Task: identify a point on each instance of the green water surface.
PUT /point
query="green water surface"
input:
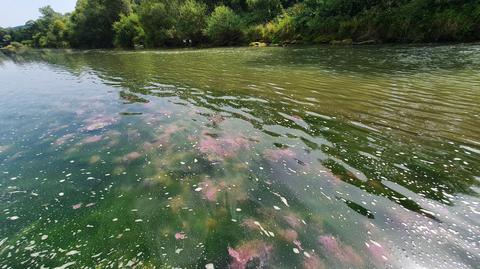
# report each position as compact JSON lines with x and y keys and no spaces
{"x":364,"y":157}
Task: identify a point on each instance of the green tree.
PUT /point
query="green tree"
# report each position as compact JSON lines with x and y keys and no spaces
{"x":5,"y":39}
{"x":128,"y":31}
{"x":47,"y":31}
{"x":92,"y":22}
{"x":158,"y":19}
{"x":224,"y":27}
{"x":57,"y":33}
{"x":264,"y":10}
{"x":163,"y":23}
{"x":191,"y":20}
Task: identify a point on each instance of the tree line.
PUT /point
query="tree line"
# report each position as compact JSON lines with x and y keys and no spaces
{"x":177,"y":23}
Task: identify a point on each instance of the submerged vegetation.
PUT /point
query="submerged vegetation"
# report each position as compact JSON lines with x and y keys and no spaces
{"x":308,"y":158}
{"x":177,"y":23}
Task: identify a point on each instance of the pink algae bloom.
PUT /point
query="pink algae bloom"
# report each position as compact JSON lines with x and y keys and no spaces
{"x":132,"y":156}
{"x":250,"y":224}
{"x":171,"y":129}
{"x":180,"y":236}
{"x":292,"y":220}
{"x":164,"y":138}
{"x":98,"y":123}
{"x":279,"y":154}
{"x":253,"y":252}
{"x":209,"y":190}
{"x":345,"y":254}
{"x":298,"y":244}
{"x":92,"y":139}
{"x":289,"y":235}
{"x":191,"y":138}
{"x":221,"y":148}
{"x":62,"y":140}
{"x":216,"y":119}
{"x":313,"y":262}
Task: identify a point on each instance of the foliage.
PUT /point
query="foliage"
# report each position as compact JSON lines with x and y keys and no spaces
{"x":5,"y":38}
{"x":191,"y":20}
{"x":128,"y":31}
{"x":224,"y":27}
{"x":264,"y":10}
{"x":164,"y":23}
{"x":392,"y":21}
{"x":50,"y":30}
{"x":158,"y":19}
{"x":282,"y":29}
{"x":92,"y":22}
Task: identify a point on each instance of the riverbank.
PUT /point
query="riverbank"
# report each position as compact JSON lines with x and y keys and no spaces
{"x":181,"y":23}
{"x":18,"y":49}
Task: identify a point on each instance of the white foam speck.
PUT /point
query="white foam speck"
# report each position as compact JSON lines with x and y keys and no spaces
{"x":72,"y":252}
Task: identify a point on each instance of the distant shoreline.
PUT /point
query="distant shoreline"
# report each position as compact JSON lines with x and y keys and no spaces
{"x":439,"y":44}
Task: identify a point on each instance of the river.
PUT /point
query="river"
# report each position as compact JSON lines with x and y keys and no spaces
{"x":303,"y":157}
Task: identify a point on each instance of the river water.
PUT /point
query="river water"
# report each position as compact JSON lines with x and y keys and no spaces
{"x":316,"y":157}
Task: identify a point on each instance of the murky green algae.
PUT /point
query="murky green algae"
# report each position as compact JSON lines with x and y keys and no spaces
{"x":241,"y":158}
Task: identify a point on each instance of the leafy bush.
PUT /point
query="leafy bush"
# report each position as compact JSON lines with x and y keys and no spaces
{"x":163,"y":23}
{"x":128,"y":31}
{"x":5,"y":39}
{"x":16,"y":45}
{"x":264,"y":10}
{"x":158,"y":19}
{"x":281,"y":29}
{"x":92,"y":20}
{"x":284,"y":28}
{"x":191,"y":20}
{"x":224,"y":27}
{"x":255,"y":33}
